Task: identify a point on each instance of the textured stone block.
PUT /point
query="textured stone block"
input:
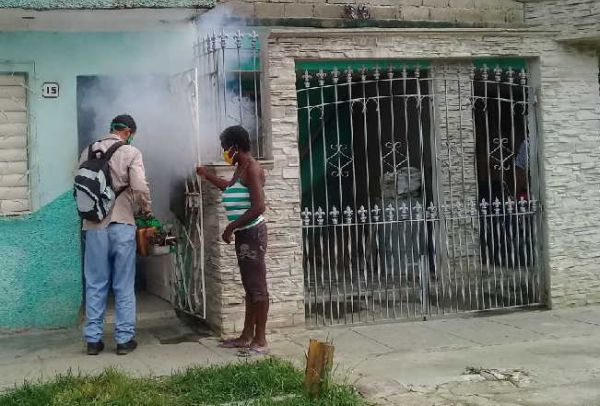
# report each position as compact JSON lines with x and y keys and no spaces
{"x":297,"y":10}
{"x":269,"y":10}
{"x":328,"y":11}
{"x":241,"y":8}
{"x":385,"y":13}
{"x":436,"y":3}
{"x":14,"y":206}
{"x":444,"y":14}
{"x":462,"y":3}
{"x":415,"y":13}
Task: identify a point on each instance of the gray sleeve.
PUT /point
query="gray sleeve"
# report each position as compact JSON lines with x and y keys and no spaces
{"x":138,"y":183}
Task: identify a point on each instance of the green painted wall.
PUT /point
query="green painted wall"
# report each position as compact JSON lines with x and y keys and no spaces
{"x":40,"y":270}
{"x":61,"y":57}
{"x":40,"y":253}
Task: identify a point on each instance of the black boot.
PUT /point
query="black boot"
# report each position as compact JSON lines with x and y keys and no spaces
{"x":124,"y":349}
{"x":95,"y":348}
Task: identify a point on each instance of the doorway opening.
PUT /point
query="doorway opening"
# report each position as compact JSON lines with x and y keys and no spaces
{"x":167,"y":139}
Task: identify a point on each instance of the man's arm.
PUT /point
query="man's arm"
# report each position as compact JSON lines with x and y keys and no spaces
{"x":139,"y":184}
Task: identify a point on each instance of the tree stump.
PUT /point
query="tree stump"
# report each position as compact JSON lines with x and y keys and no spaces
{"x":319,"y":363}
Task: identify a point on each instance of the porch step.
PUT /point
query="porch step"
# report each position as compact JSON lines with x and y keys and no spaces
{"x":149,"y":308}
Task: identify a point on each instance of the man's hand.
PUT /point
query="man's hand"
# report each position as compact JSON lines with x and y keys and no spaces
{"x":201,"y":171}
{"x":228,"y":234}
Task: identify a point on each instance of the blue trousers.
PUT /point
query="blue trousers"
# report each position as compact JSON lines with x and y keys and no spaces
{"x":110,"y":262}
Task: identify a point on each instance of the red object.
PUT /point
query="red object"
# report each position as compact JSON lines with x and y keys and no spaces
{"x":143,"y":240}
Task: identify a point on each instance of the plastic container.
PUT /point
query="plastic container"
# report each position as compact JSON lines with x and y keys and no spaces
{"x":159,"y":249}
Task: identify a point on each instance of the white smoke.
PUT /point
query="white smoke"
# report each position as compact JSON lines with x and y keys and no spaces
{"x":221,"y":78}
{"x":165,"y":132}
{"x":176,"y":130}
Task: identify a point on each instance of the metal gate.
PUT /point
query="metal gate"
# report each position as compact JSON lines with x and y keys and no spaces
{"x":230,"y":71}
{"x":419,"y":190}
{"x":188,"y":283}
{"x":223,"y":89}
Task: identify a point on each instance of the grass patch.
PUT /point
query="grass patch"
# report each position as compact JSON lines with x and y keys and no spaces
{"x":266,"y":382}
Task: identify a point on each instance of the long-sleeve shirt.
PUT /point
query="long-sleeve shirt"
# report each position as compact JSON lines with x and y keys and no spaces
{"x":128,"y":174}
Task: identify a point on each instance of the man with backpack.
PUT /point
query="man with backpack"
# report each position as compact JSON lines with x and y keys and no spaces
{"x":110,"y":182}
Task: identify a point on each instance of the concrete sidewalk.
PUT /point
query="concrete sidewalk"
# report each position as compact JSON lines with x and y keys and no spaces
{"x":523,"y":358}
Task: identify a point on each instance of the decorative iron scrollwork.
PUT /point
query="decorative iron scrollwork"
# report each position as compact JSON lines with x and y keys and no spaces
{"x":357,"y":12}
{"x":339,"y":161}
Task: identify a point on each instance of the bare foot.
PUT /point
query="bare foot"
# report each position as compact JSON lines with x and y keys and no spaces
{"x":259,"y":343}
{"x":254,"y":350}
{"x":239,"y":342}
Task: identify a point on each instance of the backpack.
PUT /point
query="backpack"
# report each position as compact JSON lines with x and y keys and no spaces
{"x":93,"y":189}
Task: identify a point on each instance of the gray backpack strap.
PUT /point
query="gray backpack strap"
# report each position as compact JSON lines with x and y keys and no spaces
{"x":113,"y":148}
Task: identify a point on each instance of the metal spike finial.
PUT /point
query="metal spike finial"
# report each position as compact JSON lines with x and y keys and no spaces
{"x":497,"y":205}
{"x":208,"y":44}
{"x":306,"y":216}
{"x":307,"y":77}
{"x":335,"y":75}
{"x":390,"y":212}
{"x":472,"y":72}
{"x":377,"y":73}
{"x":511,"y":75}
{"x":238,"y":37}
{"x":321,"y":75}
{"x":213,"y":40}
{"x":510,"y":205}
{"x":523,"y":77}
{"x":224,"y":38}
{"x":375,"y":211}
{"x":363,"y":73}
{"x":254,"y":39}
{"x":418,"y":209}
{"x":533,"y":205}
{"x":484,"y":206}
{"x":334,"y":213}
{"x":348,"y":214}
{"x":417,"y":71}
{"x":472,"y":208}
{"x":362,"y":214}
{"x":498,"y":73}
{"x":485,"y":72}
{"x":320,"y":214}
{"x":349,"y":73}
{"x":404,"y":211}
{"x":431,"y":211}
{"x":522,"y":205}
{"x":404,"y":71}
{"x":390,"y":72}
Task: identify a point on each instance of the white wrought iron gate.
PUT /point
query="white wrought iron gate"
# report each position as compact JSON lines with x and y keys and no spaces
{"x":223,"y":89}
{"x":419,"y":191}
{"x":188,"y":283}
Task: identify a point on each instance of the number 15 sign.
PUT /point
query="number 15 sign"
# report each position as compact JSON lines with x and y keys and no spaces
{"x":50,"y":90}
